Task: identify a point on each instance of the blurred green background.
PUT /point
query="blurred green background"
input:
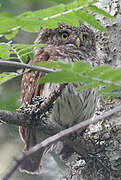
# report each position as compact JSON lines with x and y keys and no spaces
{"x":10,"y":143}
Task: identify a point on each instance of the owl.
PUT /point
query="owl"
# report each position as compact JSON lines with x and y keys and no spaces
{"x":68,"y":44}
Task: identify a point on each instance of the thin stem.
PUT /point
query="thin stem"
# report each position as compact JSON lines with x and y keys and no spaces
{"x":23,"y":65}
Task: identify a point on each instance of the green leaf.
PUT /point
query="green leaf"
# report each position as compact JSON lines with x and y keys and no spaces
{"x":64,"y":76}
{"x":60,"y":77}
{"x":76,"y":4}
{"x":47,"y":64}
{"x":70,"y":19}
{"x":112,"y":74}
{"x":98,"y":71}
{"x":89,"y":86}
{"x":57,"y":65}
{"x":50,"y":23}
{"x":7,"y":23}
{"x":11,"y":34}
{"x":23,"y":51}
{"x":5,"y":51}
{"x":41,"y":14}
{"x":81,"y":67}
{"x":112,"y":95}
{"x":29,"y":25}
{"x":99,"y":11}
{"x":92,"y":2}
{"x":72,"y":5}
{"x":86,"y":17}
{"x":44,"y":13}
{"x":108,"y":89}
{"x":83,"y":2}
{"x":115,"y":75}
{"x":6,"y":76}
{"x":65,"y":66}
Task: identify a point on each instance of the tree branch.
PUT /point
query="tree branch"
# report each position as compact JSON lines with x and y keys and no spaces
{"x":56,"y":137}
{"x":24,"y":66}
{"x":22,"y":118}
{"x":14,"y":118}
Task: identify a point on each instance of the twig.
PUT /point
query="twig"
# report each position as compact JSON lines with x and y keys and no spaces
{"x":52,"y":98}
{"x":56,"y":137}
{"x":22,"y":65}
{"x":63,"y":13}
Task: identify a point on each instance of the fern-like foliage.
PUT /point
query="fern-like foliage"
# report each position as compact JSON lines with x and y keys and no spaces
{"x":92,"y":77}
{"x":6,"y":76}
{"x":17,"y":51}
{"x":70,"y":13}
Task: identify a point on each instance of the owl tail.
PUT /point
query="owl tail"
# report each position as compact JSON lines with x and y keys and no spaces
{"x":31,"y":164}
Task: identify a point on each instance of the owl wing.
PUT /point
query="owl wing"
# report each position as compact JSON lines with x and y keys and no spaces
{"x":30,"y":89}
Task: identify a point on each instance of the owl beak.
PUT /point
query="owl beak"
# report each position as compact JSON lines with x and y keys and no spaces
{"x":78,"y":42}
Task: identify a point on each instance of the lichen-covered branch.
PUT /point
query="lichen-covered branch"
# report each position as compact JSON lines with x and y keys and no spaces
{"x":22,"y":118}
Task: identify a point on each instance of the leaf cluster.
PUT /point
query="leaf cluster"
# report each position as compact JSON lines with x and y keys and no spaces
{"x":90,"y":77}
{"x":19,"y":52}
{"x":105,"y":79}
{"x":70,"y":13}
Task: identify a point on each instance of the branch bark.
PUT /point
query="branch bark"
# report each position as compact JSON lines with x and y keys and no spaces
{"x":14,"y":118}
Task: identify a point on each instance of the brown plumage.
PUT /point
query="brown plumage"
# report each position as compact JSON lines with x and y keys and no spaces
{"x":68,"y":44}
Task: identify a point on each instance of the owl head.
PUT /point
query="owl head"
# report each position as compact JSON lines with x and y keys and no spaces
{"x":65,"y":35}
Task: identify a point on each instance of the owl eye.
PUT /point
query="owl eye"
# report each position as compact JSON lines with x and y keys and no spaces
{"x":64,"y":35}
{"x":84,"y":37}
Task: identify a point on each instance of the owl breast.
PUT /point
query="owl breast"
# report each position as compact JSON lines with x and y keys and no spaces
{"x":72,"y":106}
